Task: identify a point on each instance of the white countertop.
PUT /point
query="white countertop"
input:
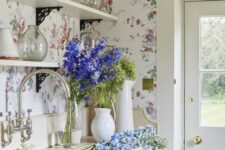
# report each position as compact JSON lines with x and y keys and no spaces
{"x":86,"y":143}
{"x":80,"y":147}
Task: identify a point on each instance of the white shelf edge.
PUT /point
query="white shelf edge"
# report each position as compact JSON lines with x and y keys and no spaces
{"x":88,"y":9}
{"x":18,"y":63}
{"x":71,"y":8}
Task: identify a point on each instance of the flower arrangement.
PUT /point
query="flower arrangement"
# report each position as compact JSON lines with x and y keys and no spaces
{"x":96,"y":68}
{"x":144,"y":137}
{"x":89,"y":67}
{"x":85,"y":70}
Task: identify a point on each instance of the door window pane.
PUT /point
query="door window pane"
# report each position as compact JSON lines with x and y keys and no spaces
{"x":212,"y":43}
{"x":212,"y":97}
{"x":212,"y":71}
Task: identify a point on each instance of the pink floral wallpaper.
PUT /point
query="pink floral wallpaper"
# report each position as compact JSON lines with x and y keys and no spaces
{"x":135,"y":31}
{"x":58,"y":29}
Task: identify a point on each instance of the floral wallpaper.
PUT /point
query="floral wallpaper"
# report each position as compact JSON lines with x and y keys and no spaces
{"x":58,"y":29}
{"x":135,"y":31}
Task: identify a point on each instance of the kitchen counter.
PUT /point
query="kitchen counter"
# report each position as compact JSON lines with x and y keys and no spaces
{"x":85,"y":143}
{"x":80,"y":147}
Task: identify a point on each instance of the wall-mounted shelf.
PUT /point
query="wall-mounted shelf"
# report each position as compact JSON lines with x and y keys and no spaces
{"x":71,"y":8}
{"x":19,"y":63}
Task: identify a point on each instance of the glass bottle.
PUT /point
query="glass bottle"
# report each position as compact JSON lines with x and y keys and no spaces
{"x":95,"y":4}
{"x":89,"y":37}
{"x":33,"y":46}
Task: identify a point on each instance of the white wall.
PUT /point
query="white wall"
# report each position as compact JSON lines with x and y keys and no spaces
{"x":169,"y":67}
{"x":165,"y":70}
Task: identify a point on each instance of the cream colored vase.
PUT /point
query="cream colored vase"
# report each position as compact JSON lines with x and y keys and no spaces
{"x":124,"y":108}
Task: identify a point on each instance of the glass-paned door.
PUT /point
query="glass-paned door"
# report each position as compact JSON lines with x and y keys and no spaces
{"x":205,"y":75}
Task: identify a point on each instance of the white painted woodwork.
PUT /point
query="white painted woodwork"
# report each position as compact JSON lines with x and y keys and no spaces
{"x":213,"y":137}
{"x":71,"y":8}
{"x":19,"y":63}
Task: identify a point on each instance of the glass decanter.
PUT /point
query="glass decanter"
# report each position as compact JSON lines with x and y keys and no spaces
{"x":33,"y":45}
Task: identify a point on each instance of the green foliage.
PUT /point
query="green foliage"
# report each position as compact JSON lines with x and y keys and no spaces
{"x":76,"y":94}
{"x":106,"y":92}
{"x":157,"y":142}
{"x":129,"y":67}
{"x":213,"y":86}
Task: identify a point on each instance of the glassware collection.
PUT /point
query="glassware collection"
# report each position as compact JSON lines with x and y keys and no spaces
{"x":103,"y":5}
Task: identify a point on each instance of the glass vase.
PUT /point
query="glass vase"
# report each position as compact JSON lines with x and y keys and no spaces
{"x":89,"y":37}
{"x":77,"y":123}
{"x":95,"y":4}
{"x":33,"y":46}
{"x":67,"y":135}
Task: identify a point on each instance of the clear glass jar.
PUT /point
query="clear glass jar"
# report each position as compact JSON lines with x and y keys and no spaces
{"x":95,"y":4}
{"x":89,"y":37}
{"x":33,"y":46}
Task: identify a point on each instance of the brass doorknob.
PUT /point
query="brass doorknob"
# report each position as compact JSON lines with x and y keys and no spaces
{"x":197,"y":140}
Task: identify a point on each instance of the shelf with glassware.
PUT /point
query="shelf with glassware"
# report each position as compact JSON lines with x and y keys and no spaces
{"x":9,"y":54}
{"x":72,"y":8}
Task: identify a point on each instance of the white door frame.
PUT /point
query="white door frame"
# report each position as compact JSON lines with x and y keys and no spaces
{"x":170,"y":26}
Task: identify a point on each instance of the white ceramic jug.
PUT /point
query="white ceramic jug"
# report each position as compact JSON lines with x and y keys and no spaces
{"x":102,"y":126}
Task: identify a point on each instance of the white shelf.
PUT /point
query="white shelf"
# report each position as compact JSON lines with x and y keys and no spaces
{"x":19,"y":63}
{"x":71,"y":8}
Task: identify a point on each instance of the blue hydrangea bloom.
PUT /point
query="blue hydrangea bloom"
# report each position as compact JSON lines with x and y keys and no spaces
{"x":128,"y":140}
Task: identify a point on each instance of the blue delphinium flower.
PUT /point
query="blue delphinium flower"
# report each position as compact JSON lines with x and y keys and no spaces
{"x":91,"y":66}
